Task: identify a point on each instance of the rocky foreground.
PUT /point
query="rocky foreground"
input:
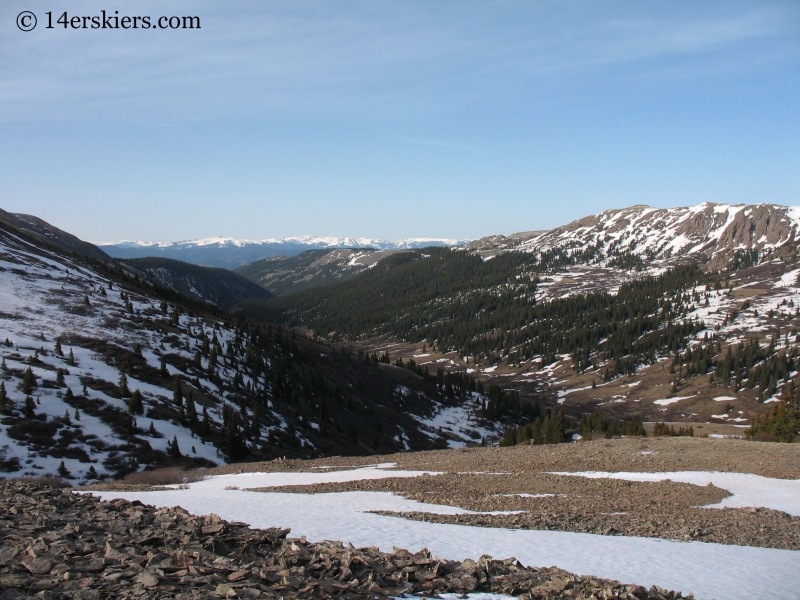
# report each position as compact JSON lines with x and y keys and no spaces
{"x":59,"y":544}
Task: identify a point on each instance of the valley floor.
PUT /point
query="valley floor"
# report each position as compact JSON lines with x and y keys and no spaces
{"x":718,"y":518}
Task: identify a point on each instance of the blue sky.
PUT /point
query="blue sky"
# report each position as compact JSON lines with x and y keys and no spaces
{"x":395,"y":119}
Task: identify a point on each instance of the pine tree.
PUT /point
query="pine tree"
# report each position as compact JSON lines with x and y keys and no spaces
{"x":63,"y":471}
{"x":29,"y":409}
{"x":71,"y":359}
{"x":57,"y":349}
{"x":6,"y":405}
{"x":181,"y":414}
{"x":152,"y":431}
{"x":124,"y":391}
{"x":91,"y":473}
{"x":136,"y":404}
{"x":177,"y":393}
{"x":206,"y":426}
{"x":191,"y":410}
{"x":509,"y":437}
{"x":164,"y":372}
{"x":77,"y":415}
{"x":173,"y":449}
{"x":28,"y":382}
{"x":60,"y":378}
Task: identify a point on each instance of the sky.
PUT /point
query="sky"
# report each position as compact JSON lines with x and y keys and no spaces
{"x":394,"y":119}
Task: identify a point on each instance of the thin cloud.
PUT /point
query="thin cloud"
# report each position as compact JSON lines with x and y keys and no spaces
{"x":316,"y":60}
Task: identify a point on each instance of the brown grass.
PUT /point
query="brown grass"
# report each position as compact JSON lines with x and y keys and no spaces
{"x":164,"y":476}
{"x":748,"y":292}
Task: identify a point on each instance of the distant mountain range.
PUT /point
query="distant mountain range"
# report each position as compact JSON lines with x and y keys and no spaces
{"x":230,"y":253}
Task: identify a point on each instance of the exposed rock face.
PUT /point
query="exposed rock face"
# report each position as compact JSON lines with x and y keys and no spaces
{"x":58,"y":544}
{"x":708,"y":232}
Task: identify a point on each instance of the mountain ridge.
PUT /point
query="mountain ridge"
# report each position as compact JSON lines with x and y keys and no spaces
{"x":231,"y":253}
{"x":708,"y":231}
{"x":220,"y":287}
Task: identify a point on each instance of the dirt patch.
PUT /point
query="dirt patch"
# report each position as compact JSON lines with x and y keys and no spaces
{"x":641,"y":455}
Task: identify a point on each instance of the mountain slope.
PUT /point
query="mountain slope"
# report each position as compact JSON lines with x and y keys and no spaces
{"x":638,"y":313}
{"x":215,"y":286}
{"x":313,"y":268}
{"x":108,"y":373}
{"x":45,"y":233}
{"x":230,"y":253}
{"x":708,"y":232}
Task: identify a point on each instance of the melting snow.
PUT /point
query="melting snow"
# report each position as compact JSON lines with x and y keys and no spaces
{"x":347,"y":517}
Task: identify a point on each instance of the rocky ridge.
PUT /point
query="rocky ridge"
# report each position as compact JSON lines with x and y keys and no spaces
{"x":59,"y":544}
{"x":707,"y":232}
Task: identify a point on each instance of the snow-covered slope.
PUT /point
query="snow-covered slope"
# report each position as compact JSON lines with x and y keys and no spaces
{"x":46,"y":297}
{"x":651,"y":236}
{"x":78,"y":338}
{"x":230,"y":252}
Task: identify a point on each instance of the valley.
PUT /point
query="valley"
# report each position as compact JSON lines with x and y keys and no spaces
{"x":604,"y":397}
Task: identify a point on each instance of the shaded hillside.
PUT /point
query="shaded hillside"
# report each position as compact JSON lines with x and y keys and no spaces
{"x":487,"y":310}
{"x":219,"y":287}
{"x":46,"y":234}
{"x":313,"y":268}
{"x":109,"y":374}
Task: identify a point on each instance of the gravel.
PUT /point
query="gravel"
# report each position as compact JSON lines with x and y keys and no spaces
{"x":60,"y":544}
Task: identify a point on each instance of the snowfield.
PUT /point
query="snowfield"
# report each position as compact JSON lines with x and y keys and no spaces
{"x":707,"y":570}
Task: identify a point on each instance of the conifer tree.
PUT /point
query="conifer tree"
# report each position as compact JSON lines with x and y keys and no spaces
{"x":206,"y":426}
{"x":177,"y":392}
{"x":6,"y":404}
{"x":91,"y":473}
{"x":124,"y":391}
{"x":60,"y":378}
{"x":29,"y":409}
{"x":173,"y":449}
{"x":57,"y":349}
{"x":63,"y":471}
{"x":28,"y":382}
{"x":71,"y":358}
{"x":136,"y":403}
{"x":191,"y":409}
{"x":181,"y":414}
